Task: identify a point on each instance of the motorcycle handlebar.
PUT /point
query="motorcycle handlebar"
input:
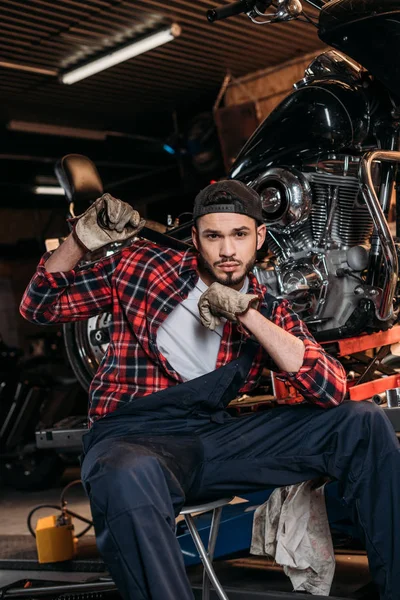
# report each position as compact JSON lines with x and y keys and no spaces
{"x":245,"y":6}
{"x":230,"y":10}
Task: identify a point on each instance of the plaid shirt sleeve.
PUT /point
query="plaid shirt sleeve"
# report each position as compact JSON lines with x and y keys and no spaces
{"x":68,"y":296}
{"x":321,"y":379}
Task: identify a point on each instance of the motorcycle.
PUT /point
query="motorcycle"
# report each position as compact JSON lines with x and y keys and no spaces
{"x":325,"y":163}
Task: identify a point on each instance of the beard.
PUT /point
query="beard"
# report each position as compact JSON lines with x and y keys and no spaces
{"x":228,"y":279}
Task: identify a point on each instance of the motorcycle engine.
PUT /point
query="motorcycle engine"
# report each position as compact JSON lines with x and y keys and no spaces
{"x":318,"y":231}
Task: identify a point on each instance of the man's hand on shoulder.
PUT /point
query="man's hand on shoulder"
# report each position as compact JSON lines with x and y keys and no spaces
{"x":222,"y":301}
{"x":107,"y":220}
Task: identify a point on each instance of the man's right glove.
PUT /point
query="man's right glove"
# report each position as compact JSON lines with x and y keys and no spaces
{"x":107,"y":220}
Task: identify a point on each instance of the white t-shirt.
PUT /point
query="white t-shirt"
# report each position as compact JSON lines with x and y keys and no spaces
{"x":190,"y":348}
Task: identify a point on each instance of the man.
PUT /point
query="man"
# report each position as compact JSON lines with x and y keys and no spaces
{"x":190,"y":331}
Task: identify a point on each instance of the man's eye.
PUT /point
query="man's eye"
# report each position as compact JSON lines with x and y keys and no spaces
{"x":212,"y":236}
{"x":241,"y":234}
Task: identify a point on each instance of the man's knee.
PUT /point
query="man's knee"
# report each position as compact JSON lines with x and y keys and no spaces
{"x":122,"y":473}
{"x":358,"y":410}
{"x":365,"y":416}
{"x":363,"y":432}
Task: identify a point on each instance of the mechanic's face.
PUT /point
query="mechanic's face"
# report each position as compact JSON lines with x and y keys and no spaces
{"x":227,"y":243}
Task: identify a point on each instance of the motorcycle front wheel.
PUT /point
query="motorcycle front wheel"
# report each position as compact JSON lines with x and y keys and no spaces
{"x":86,"y":343}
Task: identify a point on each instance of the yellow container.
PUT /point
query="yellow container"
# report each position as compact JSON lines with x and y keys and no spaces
{"x":55,"y":539}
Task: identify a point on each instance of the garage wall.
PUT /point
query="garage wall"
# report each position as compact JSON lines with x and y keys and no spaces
{"x":250,"y":99}
{"x":22,"y":234}
{"x":8,"y":316}
{"x":268,"y":86}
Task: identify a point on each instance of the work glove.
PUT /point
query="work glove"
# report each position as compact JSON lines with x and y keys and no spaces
{"x":107,"y":220}
{"x":223,"y":301}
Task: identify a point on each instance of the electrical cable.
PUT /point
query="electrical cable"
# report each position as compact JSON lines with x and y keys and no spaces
{"x":309,"y":19}
{"x":63,"y":509}
{"x":184,"y":214}
{"x":342,"y":272}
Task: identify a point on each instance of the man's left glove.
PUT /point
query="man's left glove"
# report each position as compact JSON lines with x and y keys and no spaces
{"x":222,"y":301}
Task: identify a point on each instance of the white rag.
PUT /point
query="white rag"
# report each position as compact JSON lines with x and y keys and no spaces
{"x":292,"y":527}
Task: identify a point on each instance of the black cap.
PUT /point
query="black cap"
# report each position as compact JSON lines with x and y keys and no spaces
{"x":229,"y":196}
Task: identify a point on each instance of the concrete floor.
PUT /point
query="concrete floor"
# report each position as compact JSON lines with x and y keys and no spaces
{"x":15,"y":505}
{"x":14,"y":509}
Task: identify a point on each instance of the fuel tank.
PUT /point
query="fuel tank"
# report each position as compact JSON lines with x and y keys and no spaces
{"x":324,"y":114}
{"x":369,"y":32}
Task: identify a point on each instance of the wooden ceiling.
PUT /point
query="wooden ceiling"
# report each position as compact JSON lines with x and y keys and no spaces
{"x":51,"y":36}
{"x":41,"y":38}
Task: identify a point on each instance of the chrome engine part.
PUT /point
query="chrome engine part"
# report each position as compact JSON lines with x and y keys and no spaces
{"x":318,"y":229}
{"x":286,"y":198}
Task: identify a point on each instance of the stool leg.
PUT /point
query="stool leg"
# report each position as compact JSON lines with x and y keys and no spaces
{"x":212,"y":540}
{"x":204,"y":557}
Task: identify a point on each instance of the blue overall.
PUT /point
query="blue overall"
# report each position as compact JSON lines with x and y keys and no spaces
{"x":146,"y":459}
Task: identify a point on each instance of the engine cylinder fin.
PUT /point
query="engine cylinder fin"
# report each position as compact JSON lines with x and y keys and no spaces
{"x":289,"y":242}
{"x":352,"y":223}
{"x":273,"y":246}
{"x":304,"y":237}
{"x":309,"y":256}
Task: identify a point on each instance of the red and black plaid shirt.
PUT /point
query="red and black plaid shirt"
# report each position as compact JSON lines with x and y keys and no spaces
{"x":140,"y":286}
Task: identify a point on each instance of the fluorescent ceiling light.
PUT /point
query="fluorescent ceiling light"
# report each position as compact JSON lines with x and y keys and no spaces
{"x":48,"y":190}
{"x":121,"y":54}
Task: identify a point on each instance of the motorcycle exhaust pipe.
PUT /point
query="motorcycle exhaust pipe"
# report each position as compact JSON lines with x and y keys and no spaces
{"x":385,"y":310}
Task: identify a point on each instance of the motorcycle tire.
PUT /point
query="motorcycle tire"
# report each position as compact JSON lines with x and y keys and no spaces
{"x":31,"y":472}
{"x":86,"y":343}
{"x":74,"y":353}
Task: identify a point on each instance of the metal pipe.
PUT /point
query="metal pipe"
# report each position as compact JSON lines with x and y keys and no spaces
{"x":318,"y":4}
{"x":7,"y":64}
{"x":385,"y":193}
{"x":332,"y":209}
{"x":212,"y":540}
{"x":384,"y":312}
{"x":204,"y":557}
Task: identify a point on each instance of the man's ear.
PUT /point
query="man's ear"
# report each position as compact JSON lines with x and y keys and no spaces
{"x":195,"y":237}
{"x":261,"y":233}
